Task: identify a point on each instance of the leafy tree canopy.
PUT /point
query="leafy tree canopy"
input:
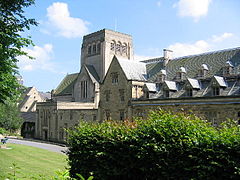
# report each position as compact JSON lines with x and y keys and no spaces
{"x":12,"y":24}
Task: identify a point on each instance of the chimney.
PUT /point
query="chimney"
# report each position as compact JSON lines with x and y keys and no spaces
{"x":167,"y":54}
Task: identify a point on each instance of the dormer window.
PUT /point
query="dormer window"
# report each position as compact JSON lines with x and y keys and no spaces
{"x":166,"y":93}
{"x":228,"y":68}
{"x":216,"y":91}
{"x":203,"y":70}
{"x":169,"y":87}
{"x":189,"y":92}
{"x":191,"y":86}
{"x":161,"y":76}
{"x":218,"y":83}
{"x":181,"y":74}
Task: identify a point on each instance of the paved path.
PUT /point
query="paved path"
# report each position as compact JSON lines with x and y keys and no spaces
{"x":50,"y":147}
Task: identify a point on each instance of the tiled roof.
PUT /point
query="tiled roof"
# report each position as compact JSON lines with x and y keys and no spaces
{"x":133,"y":70}
{"x":215,"y":61}
{"x":66,"y":86}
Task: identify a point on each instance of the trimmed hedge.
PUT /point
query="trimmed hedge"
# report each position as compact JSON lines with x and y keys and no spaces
{"x":166,"y":146}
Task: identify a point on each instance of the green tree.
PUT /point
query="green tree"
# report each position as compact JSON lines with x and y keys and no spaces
{"x":12,"y":25}
{"x":10,"y":116}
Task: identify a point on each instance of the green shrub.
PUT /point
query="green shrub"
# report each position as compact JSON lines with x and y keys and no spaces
{"x":166,"y":146}
{"x":3,"y":131}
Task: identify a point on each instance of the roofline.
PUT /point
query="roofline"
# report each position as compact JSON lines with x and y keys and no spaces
{"x":104,"y":31}
{"x":160,"y":59}
{"x":206,"y":53}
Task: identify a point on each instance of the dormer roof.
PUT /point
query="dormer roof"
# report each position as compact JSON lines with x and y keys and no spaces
{"x":220,"y":80}
{"x":151,"y":87}
{"x":171,"y":85}
{"x":194,"y":83}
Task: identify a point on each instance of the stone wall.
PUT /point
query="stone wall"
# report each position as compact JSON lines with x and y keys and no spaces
{"x":55,"y":117}
{"x":213,"y":109}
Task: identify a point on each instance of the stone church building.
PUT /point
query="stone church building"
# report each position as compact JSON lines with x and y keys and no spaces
{"x":111,"y":85}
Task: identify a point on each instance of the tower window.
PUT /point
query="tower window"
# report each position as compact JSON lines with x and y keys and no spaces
{"x":94,"y":49}
{"x":124,"y":49}
{"x":89,"y":50}
{"x":98,"y":48}
{"x":113,"y":44}
{"x":118,"y":48}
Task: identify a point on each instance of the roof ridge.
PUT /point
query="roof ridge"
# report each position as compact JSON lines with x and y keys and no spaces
{"x":206,"y":53}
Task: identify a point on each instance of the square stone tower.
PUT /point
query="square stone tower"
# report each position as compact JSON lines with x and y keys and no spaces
{"x":99,"y":48}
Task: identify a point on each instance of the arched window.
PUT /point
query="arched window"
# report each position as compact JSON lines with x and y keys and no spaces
{"x":118,"y":48}
{"x":98,"y":47}
{"x":89,"y":50}
{"x":94,"y":49}
{"x":124,"y":49}
{"x":113,"y":46}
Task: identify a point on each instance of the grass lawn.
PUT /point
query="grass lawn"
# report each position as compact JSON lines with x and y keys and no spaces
{"x":34,"y":163}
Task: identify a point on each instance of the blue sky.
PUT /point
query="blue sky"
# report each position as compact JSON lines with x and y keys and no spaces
{"x":184,"y":26}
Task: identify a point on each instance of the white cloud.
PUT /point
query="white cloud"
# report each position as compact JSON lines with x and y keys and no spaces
{"x":141,"y":58}
{"x":42,"y":55}
{"x":70,"y":27}
{"x":221,"y":37}
{"x":183,"y":49}
{"x":159,"y":3}
{"x":201,"y":46}
{"x":192,"y":8}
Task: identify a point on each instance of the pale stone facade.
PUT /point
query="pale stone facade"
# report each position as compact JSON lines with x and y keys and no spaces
{"x":78,"y":95}
{"x":112,"y":86}
{"x":27,"y":107}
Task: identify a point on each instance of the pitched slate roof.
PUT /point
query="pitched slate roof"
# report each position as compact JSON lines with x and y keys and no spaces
{"x":66,"y":85}
{"x":45,"y":95}
{"x":215,"y":61}
{"x":92,"y":73}
{"x":154,"y":66}
{"x":133,"y":70}
{"x":29,"y":116}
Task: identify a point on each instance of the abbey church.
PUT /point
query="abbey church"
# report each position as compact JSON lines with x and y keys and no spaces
{"x":111,"y":85}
